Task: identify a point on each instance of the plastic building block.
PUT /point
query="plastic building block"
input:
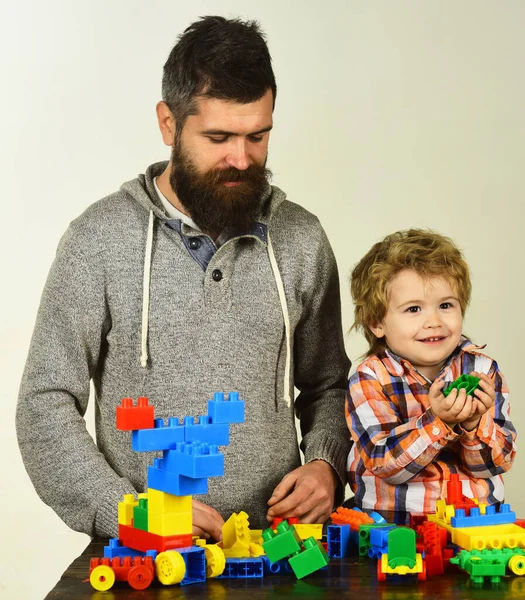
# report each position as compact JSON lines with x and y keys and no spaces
{"x":338,"y":540}
{"x":433,"y":543}
{"x":144,"y":540}
{"x":140,"y":515}
{"x":195,"y":560}
{"x":172,"y":483}
{"x":467,"y":382}
{"x":138,"y":416}
{"x":242,"y":568}
{"x":311,"y":559}
{"x":281,"y":566}
{"x":476,"y":519}
{"x":221,"y":411}
{"x":379,"y":535}
{"x":137,"y":571}
{"x":281,"y":544}
{"x":206,"y":431}
{"x":236,"y":538}
{"x":115,"y":548}
{"x":490,"y":563}
{"x":169,"y":524}
{"x":364,"y":543}
{"x":377,"y":518}
{"x":125,"y":509}
{"x":492,"y":536}
{"x":164,"y":503}
{"x":350,"y":516}
{"x":158,"y":437}
{"x":306,"y":530}
{"x":194,"y":459}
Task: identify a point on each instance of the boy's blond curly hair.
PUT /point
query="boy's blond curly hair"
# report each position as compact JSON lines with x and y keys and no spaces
{"x":426,"y":252}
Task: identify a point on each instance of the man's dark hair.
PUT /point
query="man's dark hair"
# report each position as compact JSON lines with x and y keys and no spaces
{"x":219,"y":58}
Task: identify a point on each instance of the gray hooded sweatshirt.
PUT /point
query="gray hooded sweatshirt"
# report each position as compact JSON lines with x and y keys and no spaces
{"x":144,"y":305}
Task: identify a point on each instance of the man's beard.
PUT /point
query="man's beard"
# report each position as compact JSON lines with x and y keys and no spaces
{"x":212,"y":205}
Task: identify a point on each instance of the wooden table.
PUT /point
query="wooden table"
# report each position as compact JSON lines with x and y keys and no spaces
{"x":351,"y":577}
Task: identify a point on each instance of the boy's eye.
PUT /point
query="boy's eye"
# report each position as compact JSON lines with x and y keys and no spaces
{"x":413,"y":309}
{"x":446,"y":305}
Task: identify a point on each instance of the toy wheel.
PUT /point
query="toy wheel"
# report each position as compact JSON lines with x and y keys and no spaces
{"x":170,"y":567}
{"x":517,"y":564}
{"x":102,"y":578}
{"x":215,"y":560}
{"x":380,"y":575}
{"x":423,"y":575}
{"x":140,"y":577}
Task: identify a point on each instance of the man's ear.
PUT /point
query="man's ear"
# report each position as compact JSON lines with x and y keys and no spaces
{"x":377,"y":329}
{"x":166,"y":122}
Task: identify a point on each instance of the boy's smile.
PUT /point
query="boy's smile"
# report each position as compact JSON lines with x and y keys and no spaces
{"x":423,"y":323}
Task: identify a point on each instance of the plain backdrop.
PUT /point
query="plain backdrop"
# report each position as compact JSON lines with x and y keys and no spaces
{"x":390,"y":114}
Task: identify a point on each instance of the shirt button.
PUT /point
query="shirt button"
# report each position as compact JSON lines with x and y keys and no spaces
{"x":195,"y":243}
{"x":486,"y":432}
{"x":216,"y":275}
{"x":435,"y":431}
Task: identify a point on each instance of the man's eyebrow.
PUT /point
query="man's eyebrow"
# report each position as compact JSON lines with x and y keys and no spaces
{"x":233,"y":134}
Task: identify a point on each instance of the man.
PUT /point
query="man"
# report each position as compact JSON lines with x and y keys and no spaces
{"x":193,"y":278}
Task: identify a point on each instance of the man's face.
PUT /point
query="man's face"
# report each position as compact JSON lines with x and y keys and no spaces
{"x":218,"y":163}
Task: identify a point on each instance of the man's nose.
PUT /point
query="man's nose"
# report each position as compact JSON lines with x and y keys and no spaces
{"x":238,"y":155}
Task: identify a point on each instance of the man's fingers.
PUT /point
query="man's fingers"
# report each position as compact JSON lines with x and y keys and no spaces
{"x":288,"y":507}
{"x":207,"y":520}
{"x":283,"y":488}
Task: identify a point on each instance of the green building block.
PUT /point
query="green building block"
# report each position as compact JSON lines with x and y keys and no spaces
{"x":467,"y":382}
{"x":140,"y":515}
{"x":281,"y":544}
{"x":364,"y":536}
{"x":402,"y":547}
{"x":311,"y":559}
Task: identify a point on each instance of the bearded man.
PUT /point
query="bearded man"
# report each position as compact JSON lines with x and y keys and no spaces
{"x":196,"y":277}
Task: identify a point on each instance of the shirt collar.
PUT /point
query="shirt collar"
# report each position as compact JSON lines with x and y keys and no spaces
{"x":396,"y":365}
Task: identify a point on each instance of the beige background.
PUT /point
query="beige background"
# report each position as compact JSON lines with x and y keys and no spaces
{"x":389,"y":114}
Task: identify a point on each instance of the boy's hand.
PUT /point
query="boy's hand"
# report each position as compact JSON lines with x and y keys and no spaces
{"x":455,"y":408}
{"x":307,"y":493}
{"x":484,"y":399}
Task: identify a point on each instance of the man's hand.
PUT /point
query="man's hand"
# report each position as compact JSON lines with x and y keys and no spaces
{"x":306,"y":493}
{"x":207,"y":522}
{"x":484,"y":399}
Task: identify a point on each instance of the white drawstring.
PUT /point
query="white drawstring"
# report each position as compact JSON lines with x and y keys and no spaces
{"x":145,"y":292}
{"x":284,"y":308}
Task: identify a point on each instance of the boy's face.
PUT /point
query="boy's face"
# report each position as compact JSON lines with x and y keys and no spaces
{"x":423,"y":323}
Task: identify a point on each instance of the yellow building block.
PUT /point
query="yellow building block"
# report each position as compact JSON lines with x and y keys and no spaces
{"x":125,"y":509}
{"x":236,"y":532}
{"x":306,"y":530}
{"x":507,"y":535}
{"x":163,"y":503}
{"x":170,"y":524}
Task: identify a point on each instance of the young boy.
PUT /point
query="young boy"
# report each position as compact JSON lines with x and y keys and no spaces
{"x":410,"y":292}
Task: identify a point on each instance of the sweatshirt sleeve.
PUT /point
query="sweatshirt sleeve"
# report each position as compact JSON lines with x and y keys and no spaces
{"x":391,"y":448}
{"x":490,"y":449}
{"x":321,"y":366}
{"x":68,"y":471}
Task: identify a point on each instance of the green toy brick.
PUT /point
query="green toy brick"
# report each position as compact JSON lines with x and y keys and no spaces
{"x":281,"y":544}
{"x":364,"y":536}
{"x":467,"y":382}
{"x":311,"y":559}
{"x":140,"y":515}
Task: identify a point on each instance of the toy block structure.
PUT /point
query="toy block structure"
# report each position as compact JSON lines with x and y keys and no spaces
{"x":491,"y":564}
{"x":338,"y":540}
{"x":351,"y":516}
{"x":401,"y":557}
{"x":304,"y":557}
{"x":158,"y":524}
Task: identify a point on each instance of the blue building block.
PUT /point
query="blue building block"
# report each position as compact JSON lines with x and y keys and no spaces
{"x":222,"y":411}
{"x":491,"y":517}
{"x":195,"y":560}
{"x":376,"y":552}
{"x":243,"y":568}
{"x":195,"y":460}
{"x":115,"y":548}
{"x":281,"y":566}
{"x":206,"y":431}
{"x":379,"y":536}
{"x":377,"y":517}
{"x":173,"y":483}
{"x":338,"y":540}
{"x":160,"y":438}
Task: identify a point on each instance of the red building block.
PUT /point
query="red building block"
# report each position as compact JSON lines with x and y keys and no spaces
{"x":137,"y":539}
{"x":131,"y":417}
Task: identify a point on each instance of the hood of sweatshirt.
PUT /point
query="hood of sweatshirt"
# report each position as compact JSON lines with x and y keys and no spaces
{"x":142,"y":190}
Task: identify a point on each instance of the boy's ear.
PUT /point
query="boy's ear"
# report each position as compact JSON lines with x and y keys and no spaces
{"x":377,"y":330}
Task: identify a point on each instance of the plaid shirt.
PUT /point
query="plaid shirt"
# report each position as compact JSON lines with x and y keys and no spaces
{"x":403,"y":454}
